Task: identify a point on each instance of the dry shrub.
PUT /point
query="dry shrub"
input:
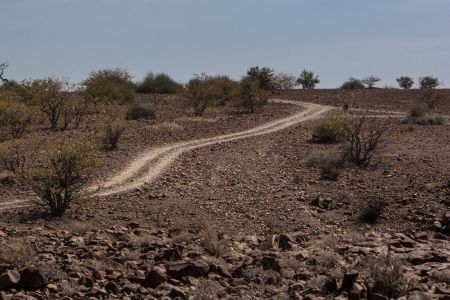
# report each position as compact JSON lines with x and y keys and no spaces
{"x":110,"y":131}
{"x":362,"y":138}
{"x":140,"y":111}
{"x":201,"y":92}
{"x":17,"y":158}
{"x":330,"y":129}
{"x":206,"y":290}
{"x":16,"y":117}
{"x":387,"y":271}
{"x":372,"y":211}
{"x":18,"y":252}
{"x":330,"y":164}
{"x":61,"y":176}
{"x":251,"y":96}
{"x":211,"y":242}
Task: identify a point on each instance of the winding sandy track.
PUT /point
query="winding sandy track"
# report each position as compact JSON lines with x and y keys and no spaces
{"x":152,"y":164}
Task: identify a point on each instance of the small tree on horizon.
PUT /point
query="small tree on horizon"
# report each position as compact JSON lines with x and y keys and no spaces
{"x":308,"y":80}
{"x":428,"y":82}
{"x":370,"y":81}
{"x":405,"y":82}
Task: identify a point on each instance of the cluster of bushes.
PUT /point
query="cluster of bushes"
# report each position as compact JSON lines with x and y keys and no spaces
{"x":204,"y":91}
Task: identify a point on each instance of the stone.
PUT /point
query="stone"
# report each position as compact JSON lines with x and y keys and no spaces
{"x":175,"y":253}
{"x":176,"y":293}
{"x":191,"y":268}
{"x":285,"y":242}
{"x":348,"y":281}
{"x":31,"y":278}
{"x":9,"y":278}
{"x":155,"y":277}
{"x":330,"y":286}
{"x":112,"y":287}
{"x":271,"y":263}
{"x":417,"y":296}
{"x":376,"y":296}
{"x":422,"y":236}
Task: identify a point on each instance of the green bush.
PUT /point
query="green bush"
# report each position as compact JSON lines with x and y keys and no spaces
{"x":353,"y":84}
{"x":428,"y":82}
{"x":405,"y":82}
{"x":251,"y":95}
{"x":110,"y":85}
{"x":330,"y":129}
{"x":226,"y":88}
{"x":139,"y":110}
{"x":62,"y":175}
{"x":308,"y":80}
{"x":264,"y":76}
{"x":160,"y":83}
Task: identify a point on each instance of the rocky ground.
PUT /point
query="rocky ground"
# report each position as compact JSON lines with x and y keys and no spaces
{"x":249,"y":219}
{"x":135,"y":262}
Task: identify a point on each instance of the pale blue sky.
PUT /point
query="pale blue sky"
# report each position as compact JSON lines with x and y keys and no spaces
{"x":335,"y":38}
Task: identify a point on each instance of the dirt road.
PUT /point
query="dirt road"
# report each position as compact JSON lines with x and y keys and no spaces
{"x":152,"y":164}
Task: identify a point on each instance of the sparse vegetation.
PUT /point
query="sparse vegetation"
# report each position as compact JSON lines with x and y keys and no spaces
{"x":110,"y":132}
{"x":61,"y":176}
{"x":362,"y":138}
{"x":110,"y":86}
{"x":308,"y":80}
{"x":428,"y":82}
{"x":329,"y":164}
{"x":16,"y":157}
{"x":353,"y":84}
{"x":405,"y":82}
{"x":420,"y":113}
{"x":330,"y":129}
{"x":251,"y":96}
{"x":388,"y":272}
{"x":211,"y":242}
{"x":160,"y":83}
{"x":140,"y":111}
{"x":372,"y":211}
{"x":16,"y":117}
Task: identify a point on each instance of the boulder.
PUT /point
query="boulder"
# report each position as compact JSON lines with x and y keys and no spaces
{"x":191,"y":268}
{"x":31,"y":278}
{"x":8,"y":279}
{"x":155,"y":277}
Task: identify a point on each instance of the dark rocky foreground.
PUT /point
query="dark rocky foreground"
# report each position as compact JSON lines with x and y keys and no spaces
{"x":142,"y":263}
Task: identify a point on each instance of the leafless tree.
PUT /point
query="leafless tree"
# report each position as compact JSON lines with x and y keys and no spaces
{"x":3,"y":67}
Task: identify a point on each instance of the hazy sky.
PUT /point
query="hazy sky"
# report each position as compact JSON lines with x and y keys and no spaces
{"x":335,"y":38}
